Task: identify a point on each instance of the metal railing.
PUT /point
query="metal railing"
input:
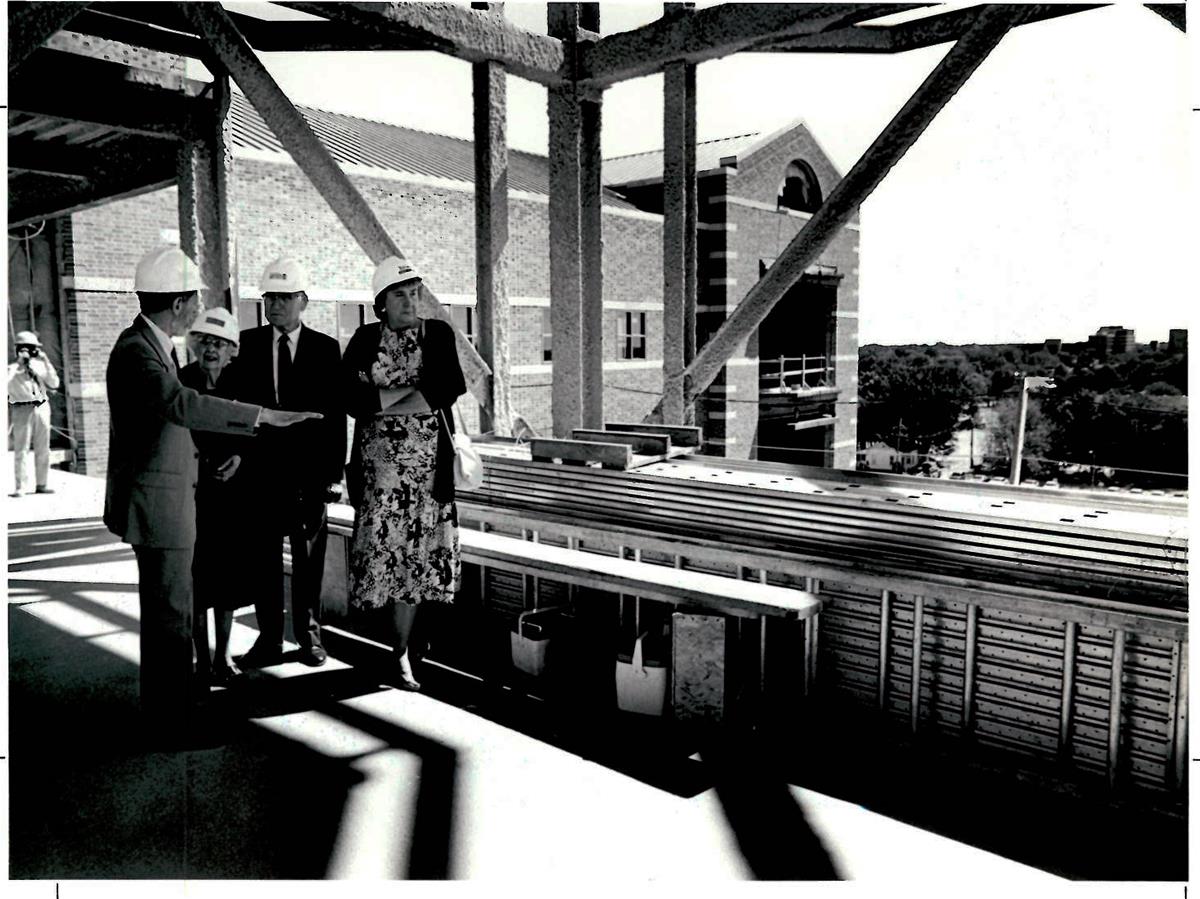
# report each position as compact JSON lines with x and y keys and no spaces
{"x":803,"y":372}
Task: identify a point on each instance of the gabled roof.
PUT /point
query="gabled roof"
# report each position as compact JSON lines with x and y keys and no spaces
{"x":648,"y":166}
{"x":394,"y":148}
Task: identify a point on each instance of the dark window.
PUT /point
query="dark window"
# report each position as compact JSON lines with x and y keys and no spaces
{"x":351,"y":317}
{"x":800,"y":190}
{"x":546,"y":352}
{"x":631,"y":335}
{"x":464,"y":319}
{"x":250,"y":314}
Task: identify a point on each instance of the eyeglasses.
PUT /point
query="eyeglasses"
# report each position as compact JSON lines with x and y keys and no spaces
{"x":213,"y":340}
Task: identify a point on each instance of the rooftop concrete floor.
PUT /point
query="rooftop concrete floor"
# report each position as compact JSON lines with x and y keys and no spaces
{"x":331,"y":773}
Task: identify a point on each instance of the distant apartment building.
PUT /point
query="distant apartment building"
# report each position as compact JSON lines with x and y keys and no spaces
{"x":1177,"y":341}
{"x":1112,"y":340}
{"x":1053,"y":345}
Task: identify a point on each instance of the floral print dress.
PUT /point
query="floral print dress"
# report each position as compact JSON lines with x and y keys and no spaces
{"x":405,"y":545}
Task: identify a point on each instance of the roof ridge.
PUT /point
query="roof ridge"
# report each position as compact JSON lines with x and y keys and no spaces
{"x":346,"y":115}
{"x":699,"y":143}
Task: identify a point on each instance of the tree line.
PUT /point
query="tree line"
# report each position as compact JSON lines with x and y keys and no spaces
{"x":1111,"y":418}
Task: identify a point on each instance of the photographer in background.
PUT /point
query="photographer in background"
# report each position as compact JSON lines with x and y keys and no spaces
{"x":30,"y":379}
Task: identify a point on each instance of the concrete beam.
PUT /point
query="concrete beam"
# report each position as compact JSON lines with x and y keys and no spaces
{"x":991,"y":24}
{"x":235,"y":58}
{"x":108,"y":94}
{"x":1175,"y":13}
{"x":455,"y":31}
{"x":690,"y":219}
{"x":492,"y":312}
{"x":31,"y":24}
{"x":566,"y":256}
{"x":124,"y":167}
{"x":924,"y":32}
{"x":715,"y":32}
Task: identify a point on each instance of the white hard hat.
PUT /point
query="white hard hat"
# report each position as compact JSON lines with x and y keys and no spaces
{"x":218,"y":322}
{"x":166,"y":269}
{"x":26,"y":338}
{"x":390,"y":272}
{"x":284,"y":275}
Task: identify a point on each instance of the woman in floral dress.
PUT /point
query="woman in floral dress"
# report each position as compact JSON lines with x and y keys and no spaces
{"x":402,"y":377}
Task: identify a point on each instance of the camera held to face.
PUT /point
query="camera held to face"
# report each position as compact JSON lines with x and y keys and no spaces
{"x":25,"y":353}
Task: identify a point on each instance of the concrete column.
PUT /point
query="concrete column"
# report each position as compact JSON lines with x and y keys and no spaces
{"x":592,"y":240}
{"x":691,"y":217}
{"x":492,"y":312}
{"x":674,"y":239}
{"x":205,"y":232}
{"x":566,"y":262}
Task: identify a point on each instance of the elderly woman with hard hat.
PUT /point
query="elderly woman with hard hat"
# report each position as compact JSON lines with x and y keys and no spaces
{"x":402,"y":378}
{"x":214,"y":341}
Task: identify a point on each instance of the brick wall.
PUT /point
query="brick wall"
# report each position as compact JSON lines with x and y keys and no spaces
{"x":278,"y":212}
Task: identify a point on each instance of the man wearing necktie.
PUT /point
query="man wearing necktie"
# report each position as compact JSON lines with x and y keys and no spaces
{"x":288,"y":478}
{"x":150,"y":486}
{"x":29,"y":379}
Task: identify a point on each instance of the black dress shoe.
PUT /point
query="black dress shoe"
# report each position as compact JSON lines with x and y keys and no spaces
{"x":314,"y":656}
{"x":261,"y":656}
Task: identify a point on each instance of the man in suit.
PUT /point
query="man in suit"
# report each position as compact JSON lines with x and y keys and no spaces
{"x":290,"y":476}
{"x":150,"y":499}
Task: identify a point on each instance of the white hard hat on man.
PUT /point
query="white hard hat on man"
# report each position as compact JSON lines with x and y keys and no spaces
{"x":284,"y":275}
{"x":167,"y":269}
{"x":26,"y":338}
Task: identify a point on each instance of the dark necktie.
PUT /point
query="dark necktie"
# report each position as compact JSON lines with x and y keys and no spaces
{"x":175,"y":359}
{"x":285,"y":371}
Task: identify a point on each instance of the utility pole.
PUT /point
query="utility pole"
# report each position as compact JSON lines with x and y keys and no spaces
{"x":1027,"y":384}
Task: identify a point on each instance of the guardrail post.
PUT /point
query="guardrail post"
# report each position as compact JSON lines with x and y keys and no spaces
{"x":885,"y":616}
{"x":1115,"y":695}
{"x":1177,"y":734}
{"x":968,"y":711}
{"x":918,"y":626}
{"x":1068,"y":688}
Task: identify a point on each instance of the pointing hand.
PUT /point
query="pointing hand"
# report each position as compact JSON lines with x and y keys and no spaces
{"x":282,"y":418}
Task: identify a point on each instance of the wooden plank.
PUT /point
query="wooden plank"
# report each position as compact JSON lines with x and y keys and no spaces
{"x":681,"y":435}
{"x":1115,"y":694}
{"x":1070,"y":631}
{"x":616,"y":575}
{"x":644,"y":443}
{"x":610,"y":455}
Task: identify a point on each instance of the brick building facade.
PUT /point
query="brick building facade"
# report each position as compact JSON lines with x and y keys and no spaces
{"x":420,"y":187}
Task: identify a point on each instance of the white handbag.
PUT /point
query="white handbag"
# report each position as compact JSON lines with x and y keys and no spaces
{"x":468,"y":465}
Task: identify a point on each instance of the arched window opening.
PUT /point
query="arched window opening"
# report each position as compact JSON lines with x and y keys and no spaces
{"x":800,"y":190}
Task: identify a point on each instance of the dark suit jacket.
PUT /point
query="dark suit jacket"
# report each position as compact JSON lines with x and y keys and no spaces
{"x":305,"y":458}
{"x":441,"y":383}
{"x":150,"y":489}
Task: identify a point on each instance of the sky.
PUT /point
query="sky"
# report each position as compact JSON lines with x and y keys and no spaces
{"x":1047,"y":199}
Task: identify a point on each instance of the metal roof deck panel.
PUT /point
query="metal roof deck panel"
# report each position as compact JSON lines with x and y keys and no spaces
{"x":859,"y":526}
{"x":355,"y":141}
